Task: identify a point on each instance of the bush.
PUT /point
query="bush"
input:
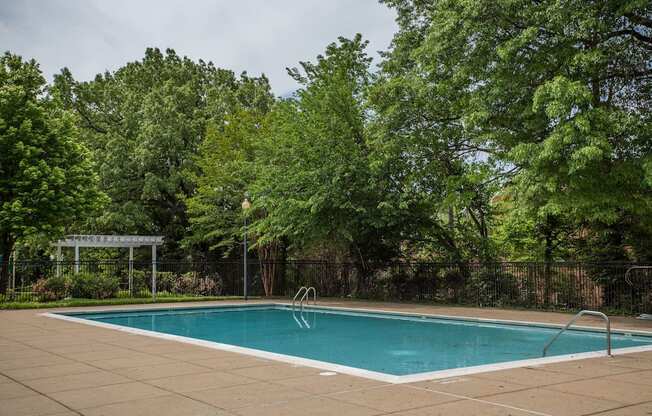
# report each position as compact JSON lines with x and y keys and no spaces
{"x":495,"y":288}
{"x":94,"y":286}
{"x":140,"y":281}
{"x":54,"y":288}
{"x":188,"y":284}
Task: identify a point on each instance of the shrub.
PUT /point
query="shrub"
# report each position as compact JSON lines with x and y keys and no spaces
{"x":140,"y":281}
{"x":184,"y":284}
{"x":188,"y":284}
{"x":495,"y":288}
{"x":54,"y":288}
{"x":94,"y":286}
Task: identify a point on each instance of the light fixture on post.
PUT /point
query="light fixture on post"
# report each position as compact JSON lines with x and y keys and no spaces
{"x":245,"y":207}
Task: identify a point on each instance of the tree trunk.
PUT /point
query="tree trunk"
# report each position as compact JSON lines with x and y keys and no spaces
{"x":268,"y":255}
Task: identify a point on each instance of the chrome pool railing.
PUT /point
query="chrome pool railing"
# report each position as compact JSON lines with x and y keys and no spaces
{"x":299,"y":292}
{"x":306,"y":297}
{"x":304,"y":292}
{"x":572,"y":321}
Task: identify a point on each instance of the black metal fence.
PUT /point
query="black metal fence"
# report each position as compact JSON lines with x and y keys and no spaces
{"x":515,"y":284}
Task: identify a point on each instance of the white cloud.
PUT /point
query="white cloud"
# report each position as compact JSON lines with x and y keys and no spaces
{"x":91,"y":36}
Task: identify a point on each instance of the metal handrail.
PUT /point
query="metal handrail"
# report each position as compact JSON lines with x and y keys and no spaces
{"x":572,"y":321}
{"x":300,"y":291}
{"x":307,"y":299}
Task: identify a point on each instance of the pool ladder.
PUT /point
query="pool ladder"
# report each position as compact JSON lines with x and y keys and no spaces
{"x":304,"y":296}
{"x":572,"y":321}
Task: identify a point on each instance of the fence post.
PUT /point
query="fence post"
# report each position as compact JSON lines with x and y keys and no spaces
{"x":131,"y":271}
{"x":76,"y":259}
{"x":154,"y":271}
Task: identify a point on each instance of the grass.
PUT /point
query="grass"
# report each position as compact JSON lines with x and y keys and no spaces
{"x":113,"y":301}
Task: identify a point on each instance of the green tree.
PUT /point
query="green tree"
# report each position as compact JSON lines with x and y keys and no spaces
{"x":422,"y":147}
{"x":47,"y":180}
{"x":317,"y":182}
{"x":145,"y":123}
{"x":559,"y":93}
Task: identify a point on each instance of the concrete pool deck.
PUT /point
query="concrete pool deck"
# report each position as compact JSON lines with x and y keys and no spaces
{"x":55,"y":367}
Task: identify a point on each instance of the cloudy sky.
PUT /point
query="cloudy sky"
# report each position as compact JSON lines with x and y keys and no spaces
{"x":259,"y":36}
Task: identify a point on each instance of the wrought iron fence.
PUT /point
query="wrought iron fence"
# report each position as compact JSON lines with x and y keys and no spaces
{"x":515,"y":284}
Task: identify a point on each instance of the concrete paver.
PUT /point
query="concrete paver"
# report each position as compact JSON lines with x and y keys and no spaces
{"x":98,"y":396}
{"x":50,"y":367}
{"x":469,"y":386}
{"x":30,"y":406}
{"x":384,"y":398}
{"x":553,"y":402}
{"x":191,"y":382}
{"x":247,"y":395}
{"x":169,"y":405}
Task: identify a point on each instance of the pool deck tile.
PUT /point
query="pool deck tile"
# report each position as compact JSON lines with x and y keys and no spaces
{"x":148,"y":372}
{"x":469,"y":386}
{"x":309,"y":406}
{"x":644,"y":409}
{"x":192,"y":382}
{"x":617,"y":391}
{"x":50,"y":367}
{"x":319,"y":384}
{"x":528,"y":376}
{"x":275,"y":371}
{"x":55,"y":384}
{"x":643,"y":378}
{"x":37,"y":405}
{"x":465,"y":408}
{"x":247,"y":395}
{"x":103,"y":395}
{"x":56,"y":370}
{"x":13,"y":390}
{"x":555,"y":403}
{"x":384,"y":398}
{"x":169,"y":405}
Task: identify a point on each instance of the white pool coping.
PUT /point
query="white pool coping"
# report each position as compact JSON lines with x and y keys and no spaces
{"x":353,"y":371}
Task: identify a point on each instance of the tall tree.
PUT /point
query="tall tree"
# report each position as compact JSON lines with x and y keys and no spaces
{"x":559,"y":93}
{"x":315,"y":182}
{"x":47,"y":180}
{"x":145,"y":123}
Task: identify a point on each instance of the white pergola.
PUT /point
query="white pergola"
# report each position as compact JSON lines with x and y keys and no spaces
{"x":112,"y":241}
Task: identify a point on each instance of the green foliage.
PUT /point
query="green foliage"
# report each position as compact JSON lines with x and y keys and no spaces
{"x":558,"y":96}
{"x":46,"y":176}
{"x":189,"y":283}
{"x":315,"y":183}
{"x":145,"y":122}
{"x":53,"y":288}
{"x":94,"y":286}
{"x":27,"y":304}
{"x":492,"y":129}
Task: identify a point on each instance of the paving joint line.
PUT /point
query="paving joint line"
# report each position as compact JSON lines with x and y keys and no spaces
{"x":114,"y":373}
{"x":617,"y":408}
{"x":41,"y":394}
{"x":483,"y":401}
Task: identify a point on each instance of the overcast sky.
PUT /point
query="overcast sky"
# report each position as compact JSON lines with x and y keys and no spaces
{"x":91,"y":36}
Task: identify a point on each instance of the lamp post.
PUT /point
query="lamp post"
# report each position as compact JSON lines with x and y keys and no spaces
{"x":245,"y":207}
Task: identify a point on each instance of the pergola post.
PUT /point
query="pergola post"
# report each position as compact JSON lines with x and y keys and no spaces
{"x":76,"y":259}
{"x":131,"y":271}
{"x":58,"y":261}
{"x":112,"y":241}
{"x":154,"y":271}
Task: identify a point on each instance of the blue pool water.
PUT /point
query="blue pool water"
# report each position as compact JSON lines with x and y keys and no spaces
{"x":391,"y":344}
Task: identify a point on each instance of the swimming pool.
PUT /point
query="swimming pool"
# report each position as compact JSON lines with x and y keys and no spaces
{"x":386,"y":346}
